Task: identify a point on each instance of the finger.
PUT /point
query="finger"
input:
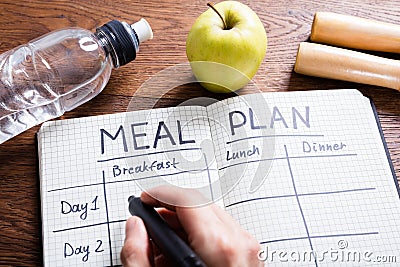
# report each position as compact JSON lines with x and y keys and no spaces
{"x":182,"y":199}
{"x":224,"y":217}
{"x":162,"y":261}
{"x":159,"y":259}
{"x":170,"y":217}
{"x":152,"y":199}
{"x":185,"y":202}
{"x":155,"y":250}
{"x":169,"y":196}
{"x":136,"y":250}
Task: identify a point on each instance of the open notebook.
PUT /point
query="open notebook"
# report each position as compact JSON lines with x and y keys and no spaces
{"x":306,"y":173}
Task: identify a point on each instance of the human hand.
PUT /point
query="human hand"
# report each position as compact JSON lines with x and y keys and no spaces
{"x":214,"y":235}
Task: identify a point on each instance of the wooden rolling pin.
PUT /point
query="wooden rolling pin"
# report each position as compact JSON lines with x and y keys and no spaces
{"x":354,"y":32}
{"x":342,"y":64}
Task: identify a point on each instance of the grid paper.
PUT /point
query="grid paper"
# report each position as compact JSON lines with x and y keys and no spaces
{"x":90,"y":166}
{"x":305,"y":172}
{"x":325,"y":194}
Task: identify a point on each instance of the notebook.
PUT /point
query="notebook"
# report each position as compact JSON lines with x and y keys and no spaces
{"x":307,"y":173}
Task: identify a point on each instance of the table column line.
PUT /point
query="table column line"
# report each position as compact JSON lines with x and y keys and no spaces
{"x":107,"y":216}
{"x":209,"y":176}
{"x":298,"y":202}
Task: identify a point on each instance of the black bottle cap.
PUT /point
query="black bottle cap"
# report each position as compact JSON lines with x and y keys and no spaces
{"x":121,"y":42}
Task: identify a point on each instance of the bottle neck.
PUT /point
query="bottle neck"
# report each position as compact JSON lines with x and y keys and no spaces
{"x":119,"y":41}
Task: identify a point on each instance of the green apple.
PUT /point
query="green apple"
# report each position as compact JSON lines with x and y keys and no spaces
{"x":226,"y":46}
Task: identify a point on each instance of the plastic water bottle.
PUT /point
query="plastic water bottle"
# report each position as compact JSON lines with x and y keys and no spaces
{"x":62,"y":70}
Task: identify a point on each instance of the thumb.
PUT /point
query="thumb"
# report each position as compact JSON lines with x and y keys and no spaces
{"x":137,"y":247}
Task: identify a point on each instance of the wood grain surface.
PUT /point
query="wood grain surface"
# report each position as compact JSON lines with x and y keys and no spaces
{"x":287,"y":24}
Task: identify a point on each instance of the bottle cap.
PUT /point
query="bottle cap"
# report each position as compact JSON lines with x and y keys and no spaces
{"x":122,"y":41}
{"x":142,"y":30}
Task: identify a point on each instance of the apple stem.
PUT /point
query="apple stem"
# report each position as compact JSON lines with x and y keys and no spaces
{"x":211,"y":5}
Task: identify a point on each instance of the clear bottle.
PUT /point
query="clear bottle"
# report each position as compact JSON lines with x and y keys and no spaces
{"x":61,"y":70}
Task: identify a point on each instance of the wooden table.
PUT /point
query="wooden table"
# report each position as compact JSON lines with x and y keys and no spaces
{"x":287,"y":24}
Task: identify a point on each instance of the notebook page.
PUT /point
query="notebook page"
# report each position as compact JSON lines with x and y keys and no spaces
{"x":90,"y":166}
{"x":306,"y":173}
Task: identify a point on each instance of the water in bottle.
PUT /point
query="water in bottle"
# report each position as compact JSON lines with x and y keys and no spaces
{"x":62,"y":70}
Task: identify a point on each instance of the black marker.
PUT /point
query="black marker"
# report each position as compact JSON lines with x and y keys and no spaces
{"x":163,"y":236}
